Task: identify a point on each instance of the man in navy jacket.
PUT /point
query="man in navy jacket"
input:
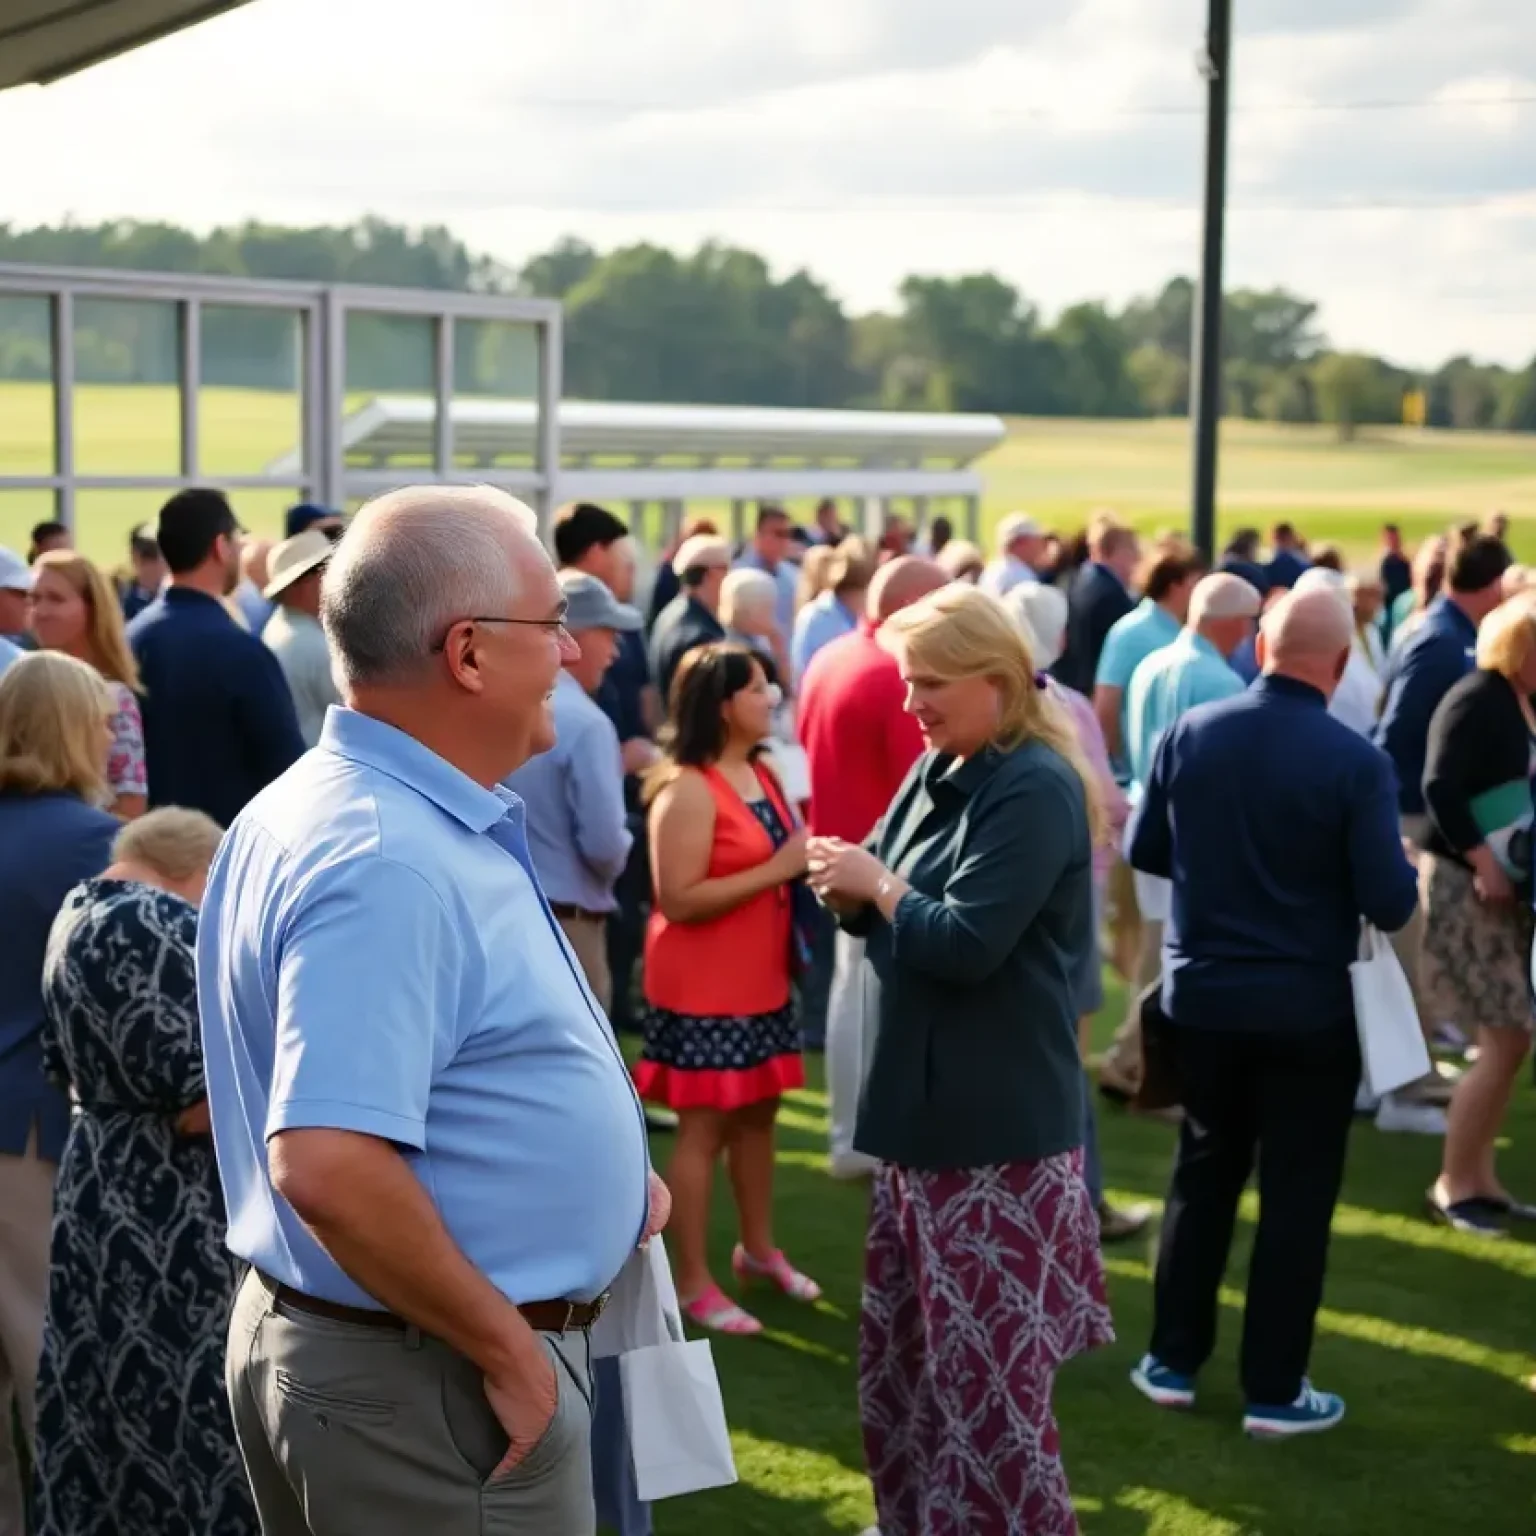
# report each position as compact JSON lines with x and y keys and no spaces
{"x":1100,"y":595}
{"x":219,"y":721}
{"x":1277,"y":825}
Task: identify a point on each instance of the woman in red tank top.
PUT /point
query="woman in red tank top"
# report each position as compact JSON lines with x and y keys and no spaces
{"x":721,"y":1044}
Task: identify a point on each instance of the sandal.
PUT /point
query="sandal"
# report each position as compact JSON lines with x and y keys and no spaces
{"x":714,"y":1310}
{"x":777,"y":1271}
{"x":1476,"y":1216}
{"x":1509,"y":1208}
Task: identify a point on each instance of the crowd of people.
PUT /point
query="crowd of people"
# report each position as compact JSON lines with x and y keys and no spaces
{"x":337,"y":867}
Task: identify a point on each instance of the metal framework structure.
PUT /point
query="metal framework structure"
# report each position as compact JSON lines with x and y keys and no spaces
{"x":318,"y":470}
{"x":542,"y":449}
{"x":672,"y":454}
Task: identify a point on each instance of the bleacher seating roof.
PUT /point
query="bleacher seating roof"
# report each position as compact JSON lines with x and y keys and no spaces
{"x":44,"y":40}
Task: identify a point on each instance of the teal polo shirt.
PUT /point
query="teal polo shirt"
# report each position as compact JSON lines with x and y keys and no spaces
{"x":1168,"y":684}
{"x":1146,"y":628}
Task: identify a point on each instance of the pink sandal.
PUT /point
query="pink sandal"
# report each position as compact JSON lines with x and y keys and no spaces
{"x":713,"y":1309}
{"x":777,"y":1271}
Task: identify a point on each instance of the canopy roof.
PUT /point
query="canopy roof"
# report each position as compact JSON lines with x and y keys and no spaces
{"x":44,"y":40}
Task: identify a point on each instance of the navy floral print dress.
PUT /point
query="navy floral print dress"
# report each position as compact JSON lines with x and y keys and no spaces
{"x":134,"y":1436}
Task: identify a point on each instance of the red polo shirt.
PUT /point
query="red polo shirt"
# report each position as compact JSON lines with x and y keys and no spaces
{"x":858,"y":737}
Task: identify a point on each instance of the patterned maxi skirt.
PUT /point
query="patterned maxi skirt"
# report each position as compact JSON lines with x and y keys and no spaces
{"x":978,"y":1284}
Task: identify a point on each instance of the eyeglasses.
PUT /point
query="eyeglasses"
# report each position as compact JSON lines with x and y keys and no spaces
{"x":555,"y":627}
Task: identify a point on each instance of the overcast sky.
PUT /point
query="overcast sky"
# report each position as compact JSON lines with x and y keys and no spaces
{"x":1383,"y":156}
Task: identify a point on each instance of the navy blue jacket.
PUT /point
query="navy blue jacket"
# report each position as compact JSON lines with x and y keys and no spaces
{"x":1277,"y":825}
{"x":219,"y":723}
{"x":1285,"y":569}
{"x":1097,"y":601}
{"x":1431,"y":661}
{"x":48,"y":845}
{"x":683,"y":625}
{"x":975,"y":1059}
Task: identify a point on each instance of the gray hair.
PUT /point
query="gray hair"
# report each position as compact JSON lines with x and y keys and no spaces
{"x":173,"y":841}
{"x":411,"y":563}
{"x":744,"y":590}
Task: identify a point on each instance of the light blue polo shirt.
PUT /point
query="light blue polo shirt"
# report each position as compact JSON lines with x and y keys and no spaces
{"x":375,"y":955}
{"x":1167,"y":685}
{"x":1146,"y":628}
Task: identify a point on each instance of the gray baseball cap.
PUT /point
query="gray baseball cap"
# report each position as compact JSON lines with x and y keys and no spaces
{"x":590,"y":605}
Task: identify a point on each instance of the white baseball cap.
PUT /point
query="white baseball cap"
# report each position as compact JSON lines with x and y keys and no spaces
{"x":703,"y":550}
{"x":14,"y":573}
{"x":1018,"y":525}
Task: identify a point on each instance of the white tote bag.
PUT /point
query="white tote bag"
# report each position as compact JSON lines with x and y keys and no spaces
{"x":635,"y":1316}
{"x":1392,"y":1049}
{"x":677,"y":1432}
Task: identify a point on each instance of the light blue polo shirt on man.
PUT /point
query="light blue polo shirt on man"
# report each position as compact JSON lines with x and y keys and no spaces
{"x":1146,"y":628}
{"x":1166,"y":686}
{"x":375,"y":955}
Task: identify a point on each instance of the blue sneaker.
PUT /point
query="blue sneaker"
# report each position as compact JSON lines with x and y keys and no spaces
{"x":1310,"y":1414}
{"x":1166,"y":1388}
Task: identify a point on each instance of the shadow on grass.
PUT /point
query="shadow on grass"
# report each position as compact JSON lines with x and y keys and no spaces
{"x":1430,"y":1445}
{"x":1423,"y":1332}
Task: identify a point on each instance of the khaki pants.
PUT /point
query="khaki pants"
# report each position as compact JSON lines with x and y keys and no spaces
{"x":348,"y":1430}
{"x":1124,"y":919}
{"x":1120,"y":1066}
{"x":588,"y":934}
{"x":26,"y":1220}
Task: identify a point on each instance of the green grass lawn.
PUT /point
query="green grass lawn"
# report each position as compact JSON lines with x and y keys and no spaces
{"x":1429,"y":1335}
{"x":1061,"y":470}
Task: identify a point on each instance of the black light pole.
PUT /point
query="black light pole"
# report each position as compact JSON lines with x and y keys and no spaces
{"x":1205,"y":343}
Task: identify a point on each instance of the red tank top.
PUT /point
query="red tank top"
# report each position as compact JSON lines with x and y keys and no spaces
{"x":737,"y":963}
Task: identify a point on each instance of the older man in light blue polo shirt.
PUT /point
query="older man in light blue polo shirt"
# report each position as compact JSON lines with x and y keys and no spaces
{"x":1194,"y":669}
{"x":432,"y":1157}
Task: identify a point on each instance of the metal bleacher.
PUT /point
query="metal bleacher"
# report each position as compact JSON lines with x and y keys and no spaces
{"x":613,"y":451}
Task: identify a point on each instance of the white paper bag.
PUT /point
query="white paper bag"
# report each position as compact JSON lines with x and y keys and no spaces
{"x":1392,"y":1049}
{"x":1154,"y":896}
{"x":678,"y":1438}
{"x":638,"y":1303}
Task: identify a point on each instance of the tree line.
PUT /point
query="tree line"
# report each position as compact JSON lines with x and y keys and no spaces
{"x":717,"y":326}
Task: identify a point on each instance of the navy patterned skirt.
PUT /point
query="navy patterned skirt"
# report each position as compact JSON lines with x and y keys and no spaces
{"x":696,"y":1062}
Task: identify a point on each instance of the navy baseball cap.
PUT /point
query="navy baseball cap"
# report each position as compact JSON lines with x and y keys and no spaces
{"x":303,"y":517}
{"x":1255,"y":575}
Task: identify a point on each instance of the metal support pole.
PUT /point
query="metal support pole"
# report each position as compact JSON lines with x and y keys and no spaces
{"x":313,"y":408}
{"x":64,"y":406}
{"x":333,"y":468}
{"x":443,"y":368}
{"x":1205,"y":342}
{"x":191,"y":386}
{"x":551,"y":383}
{"x":738,"y":520}
{"x":872,"y":520}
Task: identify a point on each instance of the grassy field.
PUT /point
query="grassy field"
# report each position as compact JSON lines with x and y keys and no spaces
{"x":1429,"y":1336}
{"x":1060,"y":470}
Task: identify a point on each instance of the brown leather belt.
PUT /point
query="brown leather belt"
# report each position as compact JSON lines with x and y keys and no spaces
{"x":541,"y":1316}
{"x":565,"y":911}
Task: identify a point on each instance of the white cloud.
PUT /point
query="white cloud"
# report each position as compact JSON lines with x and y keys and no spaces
{"x":1058,"y":142}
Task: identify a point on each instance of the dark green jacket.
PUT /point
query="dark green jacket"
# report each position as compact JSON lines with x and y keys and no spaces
{"x":970,"y":989}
